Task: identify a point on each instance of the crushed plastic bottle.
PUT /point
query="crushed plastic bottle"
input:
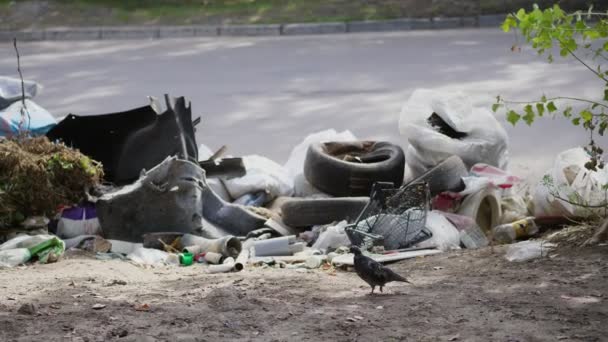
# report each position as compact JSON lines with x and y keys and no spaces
{"x":507,"y":233}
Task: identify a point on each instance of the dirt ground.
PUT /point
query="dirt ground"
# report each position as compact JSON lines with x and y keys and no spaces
{"x":456,"y":296}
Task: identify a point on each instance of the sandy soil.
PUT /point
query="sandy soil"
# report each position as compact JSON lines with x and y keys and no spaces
{"x":456,"y":296}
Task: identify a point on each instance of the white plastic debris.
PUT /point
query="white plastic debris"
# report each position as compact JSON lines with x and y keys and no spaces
{"x":332,"y":237}
{"x":149,"y":256}
{"x":445,"y":235}
{"x":486,"y":141}
{"x":570,"y":180}
{"x":295,"y":163}
{"x":528,"y":250}
{"x":263,"y":174}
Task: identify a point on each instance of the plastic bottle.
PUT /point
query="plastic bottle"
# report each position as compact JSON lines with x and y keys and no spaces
{"x":507,"y":233}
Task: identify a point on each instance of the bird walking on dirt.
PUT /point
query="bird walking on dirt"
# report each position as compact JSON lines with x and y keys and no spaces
{"x":373,"y":272}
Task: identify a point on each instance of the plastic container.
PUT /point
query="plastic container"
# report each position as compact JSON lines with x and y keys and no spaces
{"x":507,"y":233}
{"x":186,"y":259}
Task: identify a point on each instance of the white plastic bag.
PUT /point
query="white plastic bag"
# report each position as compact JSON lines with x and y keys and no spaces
{"x":297,"y":157}
{"x":14,"y":257}
{"x":571,"y":181}
{"x":263,"y":174}
{"x":149,"y":256}
{"x":332,"y":237}
{"x":528,"y":250}
{"x":445,"y":235}
{"x":486,"y":140}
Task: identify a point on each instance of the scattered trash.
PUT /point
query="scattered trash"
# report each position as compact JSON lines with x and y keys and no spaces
{"x":186,"y":259}
{"x":117,"y":282}
{"x":142,"y":307}
{"x":570,"y":189}
{"x":11,"y":90}
{"x":471,"y":236}
{"x":77,"y":221}
{"x":227,"y":246}
{"x":444,"y":235}
{"x":332,"y":237}
{"x":509,"y":232}
{"x":98,"y":306}
{"x":285,"y":245}
{"x":19,"y":250}
{"x":483,"y":206}
{"x":442,"y":124}
{"x":262,"y":174}
{"x":528,"y":250}
{"x":38,"y":120}
{"x":315,"y":211}
{"x":226,"y":266}
{"x":148,"y":256}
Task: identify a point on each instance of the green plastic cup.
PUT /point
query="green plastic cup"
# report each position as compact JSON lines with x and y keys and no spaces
{"x":186,"y":259}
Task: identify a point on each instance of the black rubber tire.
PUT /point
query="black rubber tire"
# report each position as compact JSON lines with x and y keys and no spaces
{"x":446,"y":176}
{"x":384,"y":162}
{"x":310,"y":212}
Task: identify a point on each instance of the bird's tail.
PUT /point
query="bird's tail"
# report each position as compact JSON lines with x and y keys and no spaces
{"x":397,"y":277}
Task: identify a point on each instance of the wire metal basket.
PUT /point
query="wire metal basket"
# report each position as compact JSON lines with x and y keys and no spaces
{"x":394,"y":218}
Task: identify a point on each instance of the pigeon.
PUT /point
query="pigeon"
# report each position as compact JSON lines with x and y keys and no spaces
{"x":372,"y":272}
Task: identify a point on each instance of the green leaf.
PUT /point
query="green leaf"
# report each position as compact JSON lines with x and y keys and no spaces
{"x":529,"y":117}
{"x":513,"y":117}
{"x":576,"y":121}
{"x":551,"y":107}
{"x":544,"y":98}
{"x":540,"y":108}
{"x":495,"y":107}
{"x":586,"y":115}
{"x":510,"y":21}
{"x":605,"y":94}
{"x":568,"y":112}
{"x":602,"y":128}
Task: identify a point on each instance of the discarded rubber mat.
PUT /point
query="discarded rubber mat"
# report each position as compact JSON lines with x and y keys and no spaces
{"x":351,"y":168}
{"x":127,"y":142}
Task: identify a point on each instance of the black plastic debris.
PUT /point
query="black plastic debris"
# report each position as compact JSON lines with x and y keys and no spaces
{"x":127,"y":142}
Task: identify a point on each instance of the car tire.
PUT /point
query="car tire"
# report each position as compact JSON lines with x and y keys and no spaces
{"x":326,"y":169}
{"x":310,"y":212}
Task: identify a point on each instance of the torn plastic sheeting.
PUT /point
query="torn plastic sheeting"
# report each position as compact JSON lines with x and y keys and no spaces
{"x":127,"y":142}
{"x":11,"y":91}
{"x":168,"y":198}
{"x":486,"y":141}
{"x":149,"y":256}
{"x":571,"y":180}
{"x":37,"y":120}
{"x":262,"y":174}
{"x":348,"y":260}
{"x":333,"y":237}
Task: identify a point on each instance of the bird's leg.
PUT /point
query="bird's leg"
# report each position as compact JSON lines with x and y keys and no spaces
{"x":373,"y":287}
{"x":380,"y":288}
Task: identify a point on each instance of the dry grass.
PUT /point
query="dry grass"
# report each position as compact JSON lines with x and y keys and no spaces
{"x":37,"y":177}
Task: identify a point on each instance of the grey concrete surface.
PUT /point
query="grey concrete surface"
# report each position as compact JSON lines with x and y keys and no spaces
{"x":263,"y":95}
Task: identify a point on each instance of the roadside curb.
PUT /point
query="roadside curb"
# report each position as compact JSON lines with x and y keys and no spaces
{"x":159,"y":32}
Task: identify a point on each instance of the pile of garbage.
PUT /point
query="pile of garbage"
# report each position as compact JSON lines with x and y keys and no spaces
{"x":166,"y":200}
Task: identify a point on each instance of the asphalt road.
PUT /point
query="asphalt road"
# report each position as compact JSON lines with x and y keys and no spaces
{"x":264,"y":95}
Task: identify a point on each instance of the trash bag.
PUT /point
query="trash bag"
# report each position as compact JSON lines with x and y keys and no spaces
{"x":570,"y":180}
{"x":11,"y":91}
{"x":295,"y":162}
{"x":263,"y":174}
{"x":445,"y":235}
{"x":19,"y":250}
{"x":332,"y":238}
{"x":38,"y":121}
{"x":441,"y":124}
{"x":77,"y":221}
